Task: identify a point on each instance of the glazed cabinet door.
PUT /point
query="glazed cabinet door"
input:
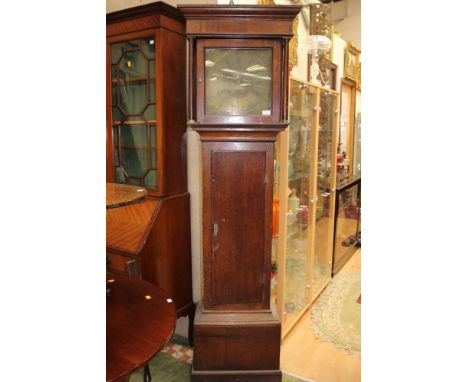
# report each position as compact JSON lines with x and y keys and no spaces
{"x":297,"y":195}
{"x":238,"y":180}
{"x":132,"y":104}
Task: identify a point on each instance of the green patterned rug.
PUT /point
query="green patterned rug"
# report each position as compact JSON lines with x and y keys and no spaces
{"x":336,"y":315}
{"x":167,"y":368}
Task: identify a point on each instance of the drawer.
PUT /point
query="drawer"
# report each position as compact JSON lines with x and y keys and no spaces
{"x":122,"y":264}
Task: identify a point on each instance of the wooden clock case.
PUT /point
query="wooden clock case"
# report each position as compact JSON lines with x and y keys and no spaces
{"x":151,"y":240}
{"x":236,"y":332}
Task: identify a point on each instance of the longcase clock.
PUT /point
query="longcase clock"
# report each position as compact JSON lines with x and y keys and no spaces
{"x":238,"y":83}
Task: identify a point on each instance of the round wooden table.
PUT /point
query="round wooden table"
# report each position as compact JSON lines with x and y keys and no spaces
{"x":118,"y":195}
{"x":141,"y":319}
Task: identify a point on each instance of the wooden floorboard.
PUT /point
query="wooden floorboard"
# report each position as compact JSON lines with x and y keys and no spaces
{"x":304,"y":355}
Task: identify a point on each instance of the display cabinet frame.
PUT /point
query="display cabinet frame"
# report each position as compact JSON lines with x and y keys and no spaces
{"x":314,"y":111}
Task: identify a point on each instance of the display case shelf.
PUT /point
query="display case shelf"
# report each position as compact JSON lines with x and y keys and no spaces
{"x":302,"y":175}
{"x":141,"y":122}
{"x":132,"y":79}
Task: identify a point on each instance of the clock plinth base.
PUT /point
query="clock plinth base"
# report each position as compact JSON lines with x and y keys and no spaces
{"x":236,"y":346}
{"x":236,"y":376}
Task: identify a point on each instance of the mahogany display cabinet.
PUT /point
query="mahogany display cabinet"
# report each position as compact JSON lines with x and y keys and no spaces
{"x":146,"y":146}
{"x":238,"y":103}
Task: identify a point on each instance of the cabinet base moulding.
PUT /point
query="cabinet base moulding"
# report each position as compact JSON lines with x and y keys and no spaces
{"x":237,"y":343}
{"x":236,"y":376}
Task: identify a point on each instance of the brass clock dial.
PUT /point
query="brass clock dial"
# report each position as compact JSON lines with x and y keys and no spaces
{"x":238,"y":81}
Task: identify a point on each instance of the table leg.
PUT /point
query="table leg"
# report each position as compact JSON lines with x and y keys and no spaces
{"x":147,"y":374}
{"x":190,"y":328}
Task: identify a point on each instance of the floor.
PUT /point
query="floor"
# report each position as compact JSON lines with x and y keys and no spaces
{"x":305,"y":356}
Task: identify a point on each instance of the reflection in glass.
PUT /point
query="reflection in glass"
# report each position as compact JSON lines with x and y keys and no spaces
{"x":275,"y":229}
{"x":238,"y":81}
{"x":297,"y":286}
{"x":135,"y":162}
{"x":357,"y":146}
{"x":347,"y":235}
{"x":321,"y":269}
{"x":134,"y":111}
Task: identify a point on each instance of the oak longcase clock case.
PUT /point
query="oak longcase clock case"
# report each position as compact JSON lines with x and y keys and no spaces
{"x":146,"y":146}
{"x":238,"y":81}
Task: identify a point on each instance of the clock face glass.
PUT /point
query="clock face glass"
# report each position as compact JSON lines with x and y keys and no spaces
{"x":238,"y":81}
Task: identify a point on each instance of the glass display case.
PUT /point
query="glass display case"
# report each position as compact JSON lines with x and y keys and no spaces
{"x":347,"y":232}
{"x":307,"y":176}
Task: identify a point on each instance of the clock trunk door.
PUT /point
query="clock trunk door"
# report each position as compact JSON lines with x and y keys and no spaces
{"x":237,"y":224}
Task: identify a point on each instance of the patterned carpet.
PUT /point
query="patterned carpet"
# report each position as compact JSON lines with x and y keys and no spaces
{"x":336,"y":316}
{"x":174,"y":363}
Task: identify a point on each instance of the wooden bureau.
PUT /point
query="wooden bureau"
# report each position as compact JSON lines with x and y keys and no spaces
{"x":150,"y":240}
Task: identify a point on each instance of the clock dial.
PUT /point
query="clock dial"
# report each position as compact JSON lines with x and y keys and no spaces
{"x":238,"y":81}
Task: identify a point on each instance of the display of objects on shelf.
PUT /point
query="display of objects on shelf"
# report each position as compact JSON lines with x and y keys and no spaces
{"x":308,"y":162}
{"x":346,"y":144}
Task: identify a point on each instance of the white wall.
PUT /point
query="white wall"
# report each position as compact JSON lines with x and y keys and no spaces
{"x":350,"y":29}
{"x":346,"y":17}
{"x":117,"y":5}
{"x":300,"y":70}
{"x":338,"y":54}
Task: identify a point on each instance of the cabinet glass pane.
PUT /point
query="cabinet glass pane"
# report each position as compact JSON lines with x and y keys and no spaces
{"x":297,"y":285}
{"x":238,"y":81}
{"x":347,"y":225}
{"x":134,"y":111}
{"x":132,"y":75}
{"x":134,"y":162}
{"x":133,"y":136}
{"x":323,"y":219}
{"x":357,"y":146}
{"x":134,"y":158}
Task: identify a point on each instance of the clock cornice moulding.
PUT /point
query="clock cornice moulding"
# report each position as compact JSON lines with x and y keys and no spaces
{"x":239,"y":20}
{"x":265,"y":12}
{"x":144,"y":10}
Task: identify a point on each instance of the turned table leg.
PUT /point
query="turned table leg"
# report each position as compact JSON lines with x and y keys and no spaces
{"x":147,"y":374}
